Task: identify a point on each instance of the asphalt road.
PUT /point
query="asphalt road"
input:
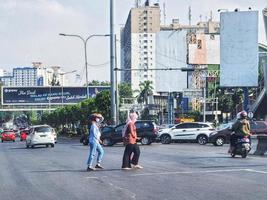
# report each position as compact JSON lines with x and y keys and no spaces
{"x":177,"y":171}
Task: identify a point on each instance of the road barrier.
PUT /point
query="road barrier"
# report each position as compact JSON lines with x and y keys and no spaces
{"x":262,"y":145}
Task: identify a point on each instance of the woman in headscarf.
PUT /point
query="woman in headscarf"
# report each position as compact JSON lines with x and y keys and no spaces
{"x":129,"y":139}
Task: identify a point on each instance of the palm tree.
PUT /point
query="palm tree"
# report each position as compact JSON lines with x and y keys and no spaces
{"x":146,"y":89}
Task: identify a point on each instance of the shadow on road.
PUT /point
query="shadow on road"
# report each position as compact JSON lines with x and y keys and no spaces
{"x":74,"y":170}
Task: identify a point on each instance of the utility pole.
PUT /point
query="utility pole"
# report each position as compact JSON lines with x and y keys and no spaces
{"x":112,"y":64}
{"x":116,"y":85}
{"x":204,"y":104}
{"x":170,"y":108}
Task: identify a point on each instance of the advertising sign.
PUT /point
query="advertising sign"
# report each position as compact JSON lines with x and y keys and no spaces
{"x":204,"y":49}
{"x":239,"y":49}
{"x":47,"y":95}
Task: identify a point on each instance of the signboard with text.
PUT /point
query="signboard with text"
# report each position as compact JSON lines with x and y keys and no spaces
{"x":47,"y":95}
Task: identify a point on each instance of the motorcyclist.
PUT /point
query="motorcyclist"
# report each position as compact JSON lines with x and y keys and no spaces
{"x":241,"y":129}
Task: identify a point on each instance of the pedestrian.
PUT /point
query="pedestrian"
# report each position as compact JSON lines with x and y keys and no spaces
{"x":131,"y":147}
{"x":95,"y":142}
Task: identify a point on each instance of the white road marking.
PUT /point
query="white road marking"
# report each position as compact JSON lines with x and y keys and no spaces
{"x":92,"y":177}
{"x":256,"y":171}
{"x":190,"y":172}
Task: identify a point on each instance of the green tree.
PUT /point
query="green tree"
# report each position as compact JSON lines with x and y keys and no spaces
{"x":125,"y":90}
{"x":102,"y":102}
{"x":146,"y":89}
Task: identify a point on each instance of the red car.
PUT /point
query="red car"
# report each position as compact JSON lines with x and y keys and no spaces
{"x":8,"y":136}
{"x":23,"y":135}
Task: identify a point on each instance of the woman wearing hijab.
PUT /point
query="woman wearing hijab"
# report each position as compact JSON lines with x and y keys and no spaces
{"x":129,"y":138}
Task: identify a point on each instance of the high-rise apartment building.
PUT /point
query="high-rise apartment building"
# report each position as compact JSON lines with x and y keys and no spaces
{"x":22,"y":76}
{"x":34,"y":76}
{"x":138,"y":41}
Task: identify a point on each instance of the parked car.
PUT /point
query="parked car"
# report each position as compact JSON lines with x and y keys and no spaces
{"x":23,"y":134}
{"x":85,"y":137}
{"x":8,"y":135}
{"x":40,"y":135}
{"x":146,"y":131}
{"x":163,"y":126}
{"x":187,"y":131}
{"x":220,"y":137}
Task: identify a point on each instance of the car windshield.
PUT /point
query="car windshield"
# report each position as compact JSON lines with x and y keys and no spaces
{"x":42,"y":129}
{"x":8,"y":132}
{"x":225,"y":126}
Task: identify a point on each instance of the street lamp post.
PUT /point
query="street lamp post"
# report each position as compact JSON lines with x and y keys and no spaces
{"x":112,"y":65}
{"x":85,"y":52}
{"x":62,"y":78}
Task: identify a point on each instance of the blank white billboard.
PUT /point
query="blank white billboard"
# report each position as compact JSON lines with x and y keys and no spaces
{"x":239,"y":49}
{"x":204,"y":49}
{"x":171,"y":52}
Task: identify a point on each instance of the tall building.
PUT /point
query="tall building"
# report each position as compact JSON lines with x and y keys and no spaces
{"x":138,"y":44}
{"x":34,"y":76}
{"x":22,"y":76}
{"x":145,"y":44}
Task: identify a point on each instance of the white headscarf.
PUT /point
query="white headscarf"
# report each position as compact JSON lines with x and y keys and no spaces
{"x":132,"y":117}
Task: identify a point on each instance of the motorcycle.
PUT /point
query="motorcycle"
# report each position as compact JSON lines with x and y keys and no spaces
{"x":242,"y":147}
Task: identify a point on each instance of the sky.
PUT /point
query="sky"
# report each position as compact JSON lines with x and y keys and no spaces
{"x":29,"y":30}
